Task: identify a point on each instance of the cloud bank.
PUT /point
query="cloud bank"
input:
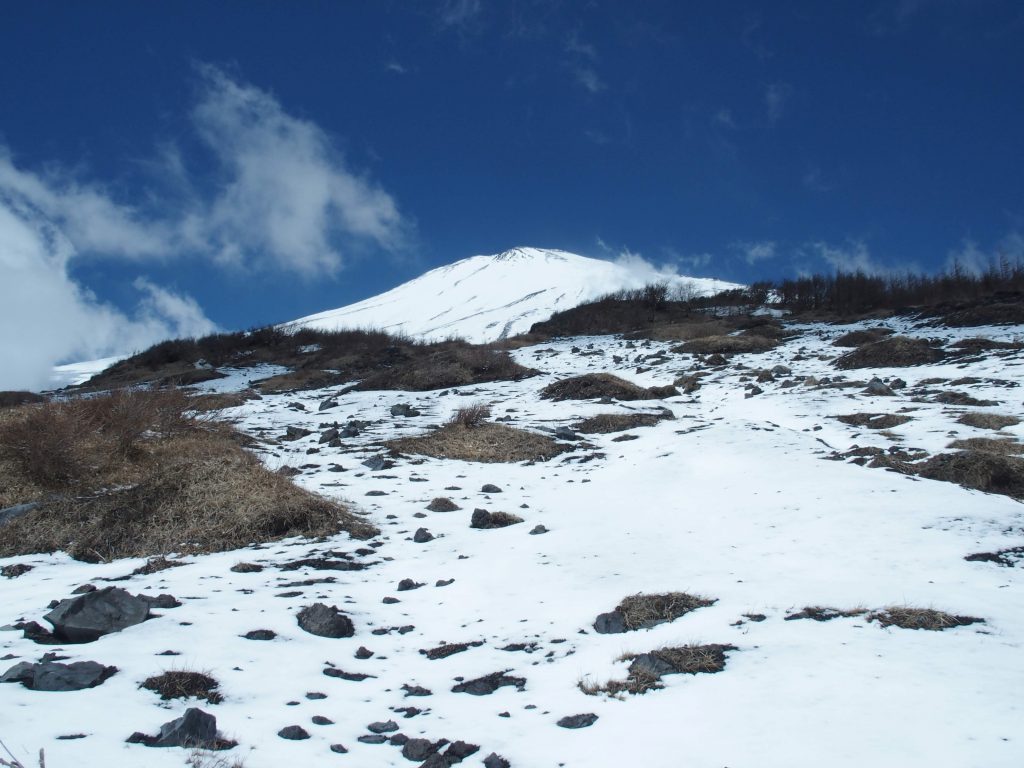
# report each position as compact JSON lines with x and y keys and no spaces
{"x":281,"y":197}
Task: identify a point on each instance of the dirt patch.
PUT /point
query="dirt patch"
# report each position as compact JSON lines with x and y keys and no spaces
{"x":861,"y":337}
{"x":821,"y":613}
{"x":445,"y":650}
{"x":988,"y":420}
{"x":906,"y":617}
{"x":489,"y":443}
{"x":893,"y":352}
{"x":605,"y":423}
{"x":592,"y":386}
{"x":961,"y":398}
{"x":1001,"y":447}
{"x":1005,"y":557}
{"x":999,"y":313}
{"x":979,"y":470}
{"x":182,"y":684}
{"x":874,"y":420}
{"x":727,"y":345}
{"x":134,"y":476}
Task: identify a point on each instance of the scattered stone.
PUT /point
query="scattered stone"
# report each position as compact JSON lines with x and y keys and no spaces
{"x":422,"y":536}
{"x":390,"y":600}
{"x":325,"y":621}
{"x":482,"y":519}
{"x":490,"y":488}
{"x":378,"y":463}
{"x":494,"y":760}
{"x":16,"y":570}
{"x":339,"y":749}
{"x":421,"y":749}
{"x":295,"y":433}
{"x":578,"y":721}
{"x":54,"y":676}
{"x":458,"y":751}
{"x":294,"y":733}
{"x":416,"y":690}
{"x":443,"y":582}
{"x":353,"y":677}
{"x":404,"y":410}
{"x":260,"y":634}
{"x":373,"y":738}
{"x":389,"y":726}
{"x":363,"y":653}
{"x":321,"y":720}
{"x":408,"y":584}
{"x":445,"y":650}
{"x":488,"y":684}
{"x":316,"y":696}
{"x":537,"y":530}
{"x":246,"y":568}
{"x":328,"y":435}
{"x":328,"y":403}
{"x":878,"y":388}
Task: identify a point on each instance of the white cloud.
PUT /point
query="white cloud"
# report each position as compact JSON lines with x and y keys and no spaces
{"x":47,"y":318}
{"x":755,"y":251}
{"x":853,"y":257}
{"x":724,"y":118}
{"x":459,"y":13}
{"x":396,"y":67}
{"x":776,"y":97}
{"x":971,"y":258}
{"x":589,"y":79}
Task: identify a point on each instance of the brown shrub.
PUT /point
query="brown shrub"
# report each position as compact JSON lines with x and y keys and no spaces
{"x":470,"y":415}
{"x":14,"y":398}
{"x":988,"y":420}
{"x":454,"y":365}
{"x":893,"y":352}
{"x":694,"y":659}
{"x":980,"y":470}
{"x":183,"y":684}
{"x":489,"y":443}
{"x":906,"y":617}
{"x":727,"y":345}
{"x":591,"y":386}
{"x":874,"y":420}
{"x":641,"y":611}
{"x":1002,"y":447}
{"x":980,"y":344}
{"x":862,"y":337}
{"x":605,"y":423}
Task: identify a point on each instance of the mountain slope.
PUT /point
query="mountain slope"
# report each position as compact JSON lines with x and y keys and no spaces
{"x":484,"y":298}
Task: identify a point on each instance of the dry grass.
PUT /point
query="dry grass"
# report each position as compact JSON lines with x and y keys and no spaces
{"x":861,"y":337}
{"x":694,"y":659}
{"x":488,"y":443}
{"x":874,"y":420}
{"x":907,"y":617}
{"x":184,"y":684}
{"x":13,"y":398}
{"x":605,"y":423}
{"x":470,"y":415}
{"x":982,"y":420}
{"x":202,"y":758}
{"x":822,"y":613}
{"x":218,"y":401}
{"x":132,"y":475}
{"x":980,"y":470}
{"x":1000,"y":447}
{"x":893,"y":352}
{"x":636,"y":684}
{"x":640,"y":611}
{"x":687,"y":331}
{"x":592,"y":386}
{"x":727,"y":345}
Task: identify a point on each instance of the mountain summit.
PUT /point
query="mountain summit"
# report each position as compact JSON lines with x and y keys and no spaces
{"x":484,"y":298}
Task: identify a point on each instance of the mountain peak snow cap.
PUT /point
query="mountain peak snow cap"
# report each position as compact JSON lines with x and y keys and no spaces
{"x":526,"y":253}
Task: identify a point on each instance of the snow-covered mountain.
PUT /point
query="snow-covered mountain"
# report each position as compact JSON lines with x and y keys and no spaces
{"x":484,"y":298}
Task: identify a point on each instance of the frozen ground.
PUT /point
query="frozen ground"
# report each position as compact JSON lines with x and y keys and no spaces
{"x":735,"y":499}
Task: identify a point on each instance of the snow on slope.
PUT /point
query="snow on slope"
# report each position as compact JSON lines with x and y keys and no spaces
{"x":735,"y":500}
{"x":484,"y":298}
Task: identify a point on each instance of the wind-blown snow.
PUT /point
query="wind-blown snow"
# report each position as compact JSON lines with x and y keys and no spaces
{"x":484,"y":298}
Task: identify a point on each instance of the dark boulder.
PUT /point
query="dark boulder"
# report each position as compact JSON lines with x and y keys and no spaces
{"x":404,"y":410}
{"x":88,"y":617}
{"x":612,"y":623}
{"x":293,"y":733}
{"x":578,"y":721}
{"x":54,"y":676}
{"x":325,"y":621}
{"x":422,"y":536}
{"x":488,"y":684}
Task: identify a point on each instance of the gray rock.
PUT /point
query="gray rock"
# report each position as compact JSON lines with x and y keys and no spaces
{"x":538,"y":529}
{"x":328,"y":435}
{"x":422,"y":536}
{"x":54,"y":676}
{"x":325,"y":621}
{"x":378,"y":463}
{"x":373,"y":738}
{"x":781,"y":370}
{"x":389,"y":726}
{"x":339,"y":749}
{"x":490,"y":488}
{"x":408,"y":584}
{"x":328,"y":403}
{"x":9,"y":513}
{"x":564,"y":433}
{"x":295,"y":433}
{"x":459,"y":750}
{"x":404,"y":410}
{"x":612,"y":623}
{"x":578,"y":721}
{"x":420,"y":749}
{"x":88,"y":617}
{"x":293,"y":733}
{"x":879,"y":388}
{"x":193,"y":729}
{"x":649,"y":664}
{"x":488,"y":684}
{"x":260,"y":634}
{"x":494,"y":760}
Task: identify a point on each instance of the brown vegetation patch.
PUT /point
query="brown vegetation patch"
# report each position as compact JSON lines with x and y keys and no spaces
{"x":641,"y":611}
{"x":961,"y":398}
{"x":183,"y":684}
{"x":983,"y":420}
{"x":728,"y":345}
{"x":979,"y":470}
{"x":861,"y":337}
{"x":893,"y":352}
{"x":605,"y":423}
{"x":977,"y":345}
{"x":1000,"y":446}
{"x":14,"y":398}
{"x":997,"y":313}
{"x":218,"y":401}
{"x":470,"y":415}
{"x":687,"y":331}
{"x":821,"y":613}
{"x":690,"y":659}
{"x":132,"y":475}
{"x":874,"y":420}
{"x":489,"y":443}
{"x":906,"y":617}
{"x":592,"y":386}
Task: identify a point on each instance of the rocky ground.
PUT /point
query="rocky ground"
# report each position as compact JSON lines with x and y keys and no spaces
{"x":788,"y":491}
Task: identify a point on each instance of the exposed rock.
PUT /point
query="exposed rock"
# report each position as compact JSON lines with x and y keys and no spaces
{"x":443,"y":504}
{"x":194,"y":729}
{"x":404,"y":410}
{"x":293,"y":733}
{"x":494,"y":760}
{"x":321,"y":720}
{"x":490,"y":488}
{"x":408,"y":584}
{"x":611,"y":623}
{"x":54,"y":676}
{"x":421,"y":749}
{"x":325,"y":621}
{"x":246,"y":568}
{"x":488,"y":684}
{"x":16,"y":570}
{"x":422,"y":536}
{"x":538,"y":529}
{"x":373,"y":738}
{"x":260,"y":634}
{"x":328,"y":403}
{"x":378,"y":463}
{"x":328,"y":435}
{"x":88,"y":617}
{"x":295,"y":433}
{"x":879,"y":388}
{"x":578,"y":721}
{"x":363,"y":653}
{"x":389,"y":726}
{"x":484,"y":520}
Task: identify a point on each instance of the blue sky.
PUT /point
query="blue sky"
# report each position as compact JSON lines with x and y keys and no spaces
{"x":175,"y":167}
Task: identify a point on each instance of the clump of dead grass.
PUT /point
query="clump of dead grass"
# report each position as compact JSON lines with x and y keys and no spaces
{"x":1001,"y":447}
{"x":908,"y":617}
{"x":979,"y":470}
{"x":592,"y":386}
{"x":184,"y":684}
{"x":641,"y":611}
{"x":892,"y":352}
{"x":728,"y":345}
{"x":487,"y":442}
{"x":13,"y":398}
{"x":822,"y":613}
{"x":860,"y":337}
{"x":134,"y":475}
{"x":874,"y":420}
{"x":988,"y":420}
{"x":470,"y":415}
{"x":605,"y":423}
